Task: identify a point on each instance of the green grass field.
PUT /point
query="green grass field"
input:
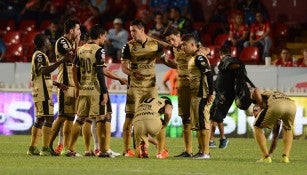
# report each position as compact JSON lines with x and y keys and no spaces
{"x":239,"y":158}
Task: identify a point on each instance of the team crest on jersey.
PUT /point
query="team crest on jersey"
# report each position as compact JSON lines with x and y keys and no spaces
{"x":39,"y":58}
{"x":64,"y":43}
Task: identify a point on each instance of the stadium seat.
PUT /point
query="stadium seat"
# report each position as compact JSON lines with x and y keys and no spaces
{"x":214,"y":59}
{"x":280,"y":31}
{"x":250,"y":55}
{"x":206,"y":39}
{"x":91,"y":21}
{"x":28,"y":52}
{"x":27,"y":25}
{"x":12,"y":37}
{"x":234,"y":51}
{"x":220,"y":39}
{"x":215,"y":27}
{"x":14,"y":53}
{"x":198,"y":25}
{"x":44,"y":24}
{"x":6,"y":25}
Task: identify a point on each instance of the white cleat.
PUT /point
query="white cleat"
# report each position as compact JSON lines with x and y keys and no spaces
{"x":112,"y":153}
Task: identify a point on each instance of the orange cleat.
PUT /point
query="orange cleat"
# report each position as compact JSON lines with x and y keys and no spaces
{"x":59,"y":148}
{"x":129,"y":153}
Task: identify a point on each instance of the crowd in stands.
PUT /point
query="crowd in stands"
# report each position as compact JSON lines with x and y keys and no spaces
{"x":244,"y":25}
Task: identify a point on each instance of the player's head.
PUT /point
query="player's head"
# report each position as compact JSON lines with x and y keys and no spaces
{"x":137,"y":29}
{"x":225,"y":50}
{"x":167,"y":100}
{"x":84,"y":35}
{"x":72,"y":27}
{"x":172,"y":36}
{"x":189,"y":44}
{"x":98,"y":33}
{"x":41,"y":41}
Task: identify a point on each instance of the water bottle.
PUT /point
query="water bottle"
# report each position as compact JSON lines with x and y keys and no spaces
{"x":294,"y":60}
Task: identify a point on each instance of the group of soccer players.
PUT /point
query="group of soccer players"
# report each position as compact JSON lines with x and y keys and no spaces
{"x":82,"y":91}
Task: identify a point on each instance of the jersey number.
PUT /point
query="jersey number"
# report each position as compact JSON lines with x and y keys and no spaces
{"x":86,"y":65}
{"x":148,"y":100}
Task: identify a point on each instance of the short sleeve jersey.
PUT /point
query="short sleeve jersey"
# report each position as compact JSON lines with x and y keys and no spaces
{"x":182,"y":60}
{"x":150,"y":107}
{"x":63,"y":46}
{"x":41,"y":84}
{"x":142,"y":58}
{"x":270,"y":97}
{"x":197,"y":67}
{"x":259,"y":29}
{"x":238,"y":32}
{"x":89,"y":57}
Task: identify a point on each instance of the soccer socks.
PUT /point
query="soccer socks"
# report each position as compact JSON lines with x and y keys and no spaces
{"x":94,"y":134}
{"x":67,"y":128}
{"x":161,"y":140}
{"x":100,"y":130}
{"x":56,"y":128}
{"x":205,"y":138}
{"x":107,"y":135}
{"x":86,"y":132}
{"x":287,"y":140}
{"x":74,"y":135}
{"x":261,"y":140}
{"x":200,"y":146}
{"x":187,"y":137}
{"x":46,"y":132}
{"x":35,"y":134}
{"x":127,"y":133}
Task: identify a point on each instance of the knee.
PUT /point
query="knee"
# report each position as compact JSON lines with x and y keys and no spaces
{"x":39,"y":122}
{"x":48,"y":121}
{"x":186,"y":120}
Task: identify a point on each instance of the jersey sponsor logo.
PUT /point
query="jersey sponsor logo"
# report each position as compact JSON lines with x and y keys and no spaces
{"x":64,"y":43}
{"x":146,"y":66}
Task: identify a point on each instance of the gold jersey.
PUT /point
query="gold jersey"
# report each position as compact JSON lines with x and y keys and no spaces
{"x":182,"y":60}
{"x":198,"y":65}
{"x":63,"y":46}
{"x":142,"y":58}
{"x":89,"y":57}
{"x":41,"y":84}
{"x":150,"y":108}
{"x":270,"y":97}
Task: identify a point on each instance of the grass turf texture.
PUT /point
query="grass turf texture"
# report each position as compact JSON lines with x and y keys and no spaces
{"x":238,"y":158}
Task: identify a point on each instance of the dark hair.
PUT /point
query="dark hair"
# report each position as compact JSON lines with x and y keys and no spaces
{"x":177,"y":9}
{"x":225,"y":50}
{"x":70,"y":24}
{"x":188,"y":37}
{"x":170,"y":30}
{"x":84,"y":33}
{"x":167,"y":100}
{"x":138,"y":22}
{"x":39,"y":41}
{"x":96,"y":31}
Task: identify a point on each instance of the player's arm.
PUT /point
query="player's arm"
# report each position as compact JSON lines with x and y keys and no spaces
{"x":204,"y":66}
{"x":168,"y":109}
{"x":111,"y":75}
{"x":166,"y":79}
{"x":74,"y":70}
{"x":256,"y":95}
{"x":275,"y":131}
{"x":48,"y":69}
{"x":63,"y":48}
{"x":162,"y":57}
{"x":101,"y":79}
{"x":125,"y":60}
{"x":61,"y":86}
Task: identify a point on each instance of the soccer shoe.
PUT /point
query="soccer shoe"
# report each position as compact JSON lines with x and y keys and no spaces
{"x":203,"y":156}
{"x":105,"y":155}
{"x":89,"y":153}
{"x":197,"y":154}
{"x":223,"y":143}
{"x":285,"y":159}
{"x":45,"y":152}
{"x":143,"y":150}
{"x":212,"y":144}
{"x":53,"y":153}
{"x":184,"y":154}
{"x":97,"y":151}
{"x":111,"y":152}
{"x":129,"y":153}
{"x":72,"y":154}
{"x":64,"y":151}
{"x":59,"y":148}
{"x":265,"y":160}
{"x":162,"y":155}
{"x":33,"y":151}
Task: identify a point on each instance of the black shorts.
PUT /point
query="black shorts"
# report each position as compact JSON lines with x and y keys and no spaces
{"x":105,"y":109}
{"x":220,"y":107}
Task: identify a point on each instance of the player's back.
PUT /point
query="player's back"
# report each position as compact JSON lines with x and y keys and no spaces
{"x":149,"y":108}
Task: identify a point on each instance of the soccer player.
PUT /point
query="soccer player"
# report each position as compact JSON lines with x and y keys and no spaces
{"x":173,"y":37}
{"x":65,"y":47}
{"x":225,"y":93}
{"x":147,"y":121}
{"x":42,"y":94}
{"x":275,"y":105}
{"x":201,"y":87}
{"x":90,"y":86}
{"x":139,"y":62}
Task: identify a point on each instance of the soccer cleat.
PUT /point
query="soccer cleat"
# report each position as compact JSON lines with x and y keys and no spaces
{"x":105,"y":155}
{"x":265,"y":160}
{"x":64,"y":152}
{"x":203,"y":156}
{"x":45,"y":152}
{"x":89,"y":153}
{"x":184,"y":154}
{"x":111,"y":152}
{"x":33,"y":151}
{"x":143,"y":150}
{"x":212,"y":144}
{"x":223,"y":143}
{"x":59,"y":148}
{"x":97,"y":151}
{"x":285,"y":159}
{"x":197,"y":154}
{"x":163,"y":155}
{"x":129,"y":153}
{"x":53,"y":153}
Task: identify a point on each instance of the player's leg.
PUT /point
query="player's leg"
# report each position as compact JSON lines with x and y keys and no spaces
{"x":261,"y":141}
{"x":35,"y":134}
{"x":141,"y":139}
{"x":127,"y":127}
{"x":67,"y":129}
{"x":60,"y":145}
{"x":187,"y":135}
{"x":86,"y":132}
{"x":58,"y":123}
{"x":94,"y":135}
{"x":46,"y":133}
{"x":161,"y":139}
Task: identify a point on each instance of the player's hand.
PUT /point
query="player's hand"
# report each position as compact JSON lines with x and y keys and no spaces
{"x":62,"y":87}
{"x":203,"y":51}
{"x":123,"y":81}
{"x":210,"y":99}
{"x":104,"y":100}
{"x":137,"y":75}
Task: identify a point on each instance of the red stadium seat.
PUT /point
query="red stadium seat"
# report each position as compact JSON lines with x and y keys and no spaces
{"x":6,"y":25}
{"x":220,"y":39}
{"x":206,"y":39}
{"x":213,"y":27}
{"x":28,"y":40}
{"x":250,"y":55}
{"x":27,"y":25}
{"x":280,"y":30}
{"x":234,"y":51}
{"x":44,"y":24}
{"x":214,"y":59}
{"x":12,"y":37}
{"x":198,"y":25}
{"x":14,"y":53}
{"x":91,"y":21}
